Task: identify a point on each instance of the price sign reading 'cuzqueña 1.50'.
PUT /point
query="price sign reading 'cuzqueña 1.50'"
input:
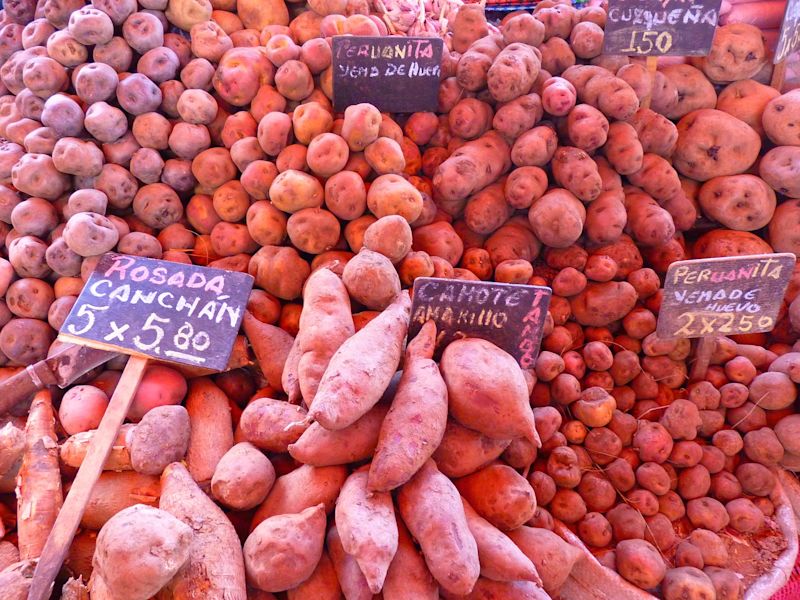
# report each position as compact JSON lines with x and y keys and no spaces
{"x":724,"y":296}
{"x":395,"y":74}
{"x":160,"y":309}
{"x":660,"y":27}
{"x":508,"y":315}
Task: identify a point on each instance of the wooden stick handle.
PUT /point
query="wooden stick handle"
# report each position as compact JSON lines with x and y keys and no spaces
{"x":652,"y":67}
{"x":702,"y":358}
{"x":778,"y":75}
{"x":60,"y":538}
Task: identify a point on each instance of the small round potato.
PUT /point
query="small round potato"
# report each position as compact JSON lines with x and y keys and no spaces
{"x":82,"y":408}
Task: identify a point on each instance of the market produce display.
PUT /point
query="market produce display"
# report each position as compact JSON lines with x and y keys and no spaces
{"x":347,"y":461}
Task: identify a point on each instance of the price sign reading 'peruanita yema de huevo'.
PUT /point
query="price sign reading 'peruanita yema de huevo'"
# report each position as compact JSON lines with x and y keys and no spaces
{"x":395,"y":74}
{"x":160,"y":309}
{"x":508,"y":315}
{"x":660,"y":27}
{"x":724,"y":296}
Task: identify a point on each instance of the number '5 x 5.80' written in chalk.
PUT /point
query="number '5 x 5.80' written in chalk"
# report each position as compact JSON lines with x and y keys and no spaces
{"x":160,"y":309}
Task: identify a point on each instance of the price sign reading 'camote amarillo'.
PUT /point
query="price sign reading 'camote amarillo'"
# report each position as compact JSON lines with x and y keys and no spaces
{"x":660,"y":27}
{"x":510,"y":316}
{"x":724,"y":296}
{"x":160,"y":309}
{"x":395,"y":74}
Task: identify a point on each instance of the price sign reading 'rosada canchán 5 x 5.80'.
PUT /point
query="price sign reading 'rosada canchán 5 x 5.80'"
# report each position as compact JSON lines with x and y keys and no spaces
{"x":724,"y":296}
{"x":160,"y":309}
{"x":660,"y":27}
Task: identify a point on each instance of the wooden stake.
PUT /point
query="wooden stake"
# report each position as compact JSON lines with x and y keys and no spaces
{"x":702,"y":357}
{"x":652,"y":67}
{"x":60,"y":538}
{"x":778,"y":75}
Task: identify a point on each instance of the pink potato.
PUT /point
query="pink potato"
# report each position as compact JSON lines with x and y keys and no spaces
{"x":82,"y":408}
{"x":160,"y":386}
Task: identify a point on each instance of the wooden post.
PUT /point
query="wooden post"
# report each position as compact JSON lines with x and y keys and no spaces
{"x":652,"y":68}
{"x":778,"y":75}
{"x":702,"y":357}
{"x":60,"y":538}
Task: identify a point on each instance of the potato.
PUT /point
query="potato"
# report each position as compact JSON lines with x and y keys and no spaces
{"x":393,"y":195}
{"x":704,"y":148}
{"x":740,"y":202}
{"x":313,"y":230}
{"x":726,"y":583}
{"x":738,"y":52}
{"x":747,"y":100}
{"x":154,"y":542}
{"x":294,"y":190}
{"x":687,"y":582}
{"x":778,"y":168}
{"x":283,"y":551}
{"x":593,"y":307}
{"x":160,"y":386}
{"x":640,"y":563}
{"x":159,"y":439}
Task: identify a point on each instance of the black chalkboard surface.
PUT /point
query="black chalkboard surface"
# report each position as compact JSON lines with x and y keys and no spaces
{"x":395,"y":74}
{"x":160,"y":309}
{"x":508,"y":315}
{"x":789,"y":41}
{"x":724,"y":296}
{"x":660,"y":27}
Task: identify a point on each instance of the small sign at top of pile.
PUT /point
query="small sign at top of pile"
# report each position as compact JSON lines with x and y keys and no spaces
{"x":165,"y":310}
{"x":724,"y":296}
{"x":660,"y":27}
{"x":395,"y":74}
{"x":510,"y":316}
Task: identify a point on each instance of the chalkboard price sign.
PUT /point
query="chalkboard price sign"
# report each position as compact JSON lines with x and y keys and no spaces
{"x":724,"y":296}
{"x":395,"y":74}
{"x":789,"y":40}
{"x":160,"y":309}
{"x":660,"y":27}
{"x":508,"y":315}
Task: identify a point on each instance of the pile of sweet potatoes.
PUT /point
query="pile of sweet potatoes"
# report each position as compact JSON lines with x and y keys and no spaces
{"x":343,"y":459}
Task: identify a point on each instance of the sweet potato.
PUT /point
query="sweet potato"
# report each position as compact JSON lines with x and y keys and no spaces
{"x":431,"y":508}
{"x":500,"y":495}
{"x":553,"y":557}
{"x":367,"y":526}
{"x":401,"y":450}
{"x":152,"y":542}
{"x":302,"y":488}
{"x":243,"y":477}
{"x":475,"y":389}
{"x":343,"y":397}
{"x":211,"y":429}
{"x":215,"y":563}
{"x":320,"y":447}
{"x":284,"y":550}
{"x":39,"y":495}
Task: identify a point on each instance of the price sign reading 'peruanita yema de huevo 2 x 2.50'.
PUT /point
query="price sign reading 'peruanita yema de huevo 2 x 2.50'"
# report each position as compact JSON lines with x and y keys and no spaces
{"x":160,"y":309}
{"x":660,"y":27}
{"x":395,"y":74}
{"x":724,"y":296}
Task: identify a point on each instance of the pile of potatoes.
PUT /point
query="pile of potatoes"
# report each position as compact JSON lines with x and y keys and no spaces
{"x":203,"y":132}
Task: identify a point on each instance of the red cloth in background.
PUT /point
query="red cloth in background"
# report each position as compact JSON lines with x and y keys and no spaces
{"x":791,"y":591}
